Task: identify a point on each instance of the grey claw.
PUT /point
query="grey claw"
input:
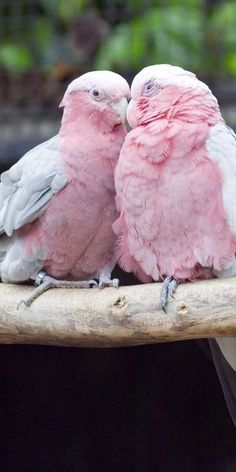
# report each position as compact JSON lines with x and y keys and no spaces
{"x":21,"y":303}
{"x":163,"y":307}
{"x":164,"y":294}
{"x":168,"y":289}
{"x":47,"y":282}
{"x":116,"y":283}
{"x":93,"y":283}
{"x":172,"y":287}
{"x":107,"y":282}
{"x":24,"y":301}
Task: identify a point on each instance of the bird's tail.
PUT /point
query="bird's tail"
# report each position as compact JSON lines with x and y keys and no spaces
{"x":226,"y":369}
{"x":5,"y":243}
{"x":224,"y":356}
{"x":228,"y":349}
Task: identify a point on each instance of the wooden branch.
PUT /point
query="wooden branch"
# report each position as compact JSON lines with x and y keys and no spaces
{"x":118,"y":317}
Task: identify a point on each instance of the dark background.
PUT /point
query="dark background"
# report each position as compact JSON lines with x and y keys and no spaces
{"x":157,"y":408}
{"x":154,"y":408}
{"x":151,"y":408}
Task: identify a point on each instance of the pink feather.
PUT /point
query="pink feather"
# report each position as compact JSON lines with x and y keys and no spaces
{"x":74,"y":236}
{"x":169,"y":190}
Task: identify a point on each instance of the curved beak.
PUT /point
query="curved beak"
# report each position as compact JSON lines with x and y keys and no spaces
{"x":120,"y":107}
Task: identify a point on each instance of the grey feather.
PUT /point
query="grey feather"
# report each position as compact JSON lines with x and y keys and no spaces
{"x":27,"y":187}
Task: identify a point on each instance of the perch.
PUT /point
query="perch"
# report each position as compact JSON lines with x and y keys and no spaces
{"x":118,"y":317}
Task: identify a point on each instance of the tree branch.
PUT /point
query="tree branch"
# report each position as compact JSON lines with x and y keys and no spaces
{"x":118,"y":317}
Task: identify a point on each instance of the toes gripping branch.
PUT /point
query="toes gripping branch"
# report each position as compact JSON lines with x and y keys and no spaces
{"x":168,"y":289}
{"x":45,"y":282}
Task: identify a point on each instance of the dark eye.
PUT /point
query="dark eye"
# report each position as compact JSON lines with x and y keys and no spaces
{"x":97,"y":94}
{"x":150,"y":88}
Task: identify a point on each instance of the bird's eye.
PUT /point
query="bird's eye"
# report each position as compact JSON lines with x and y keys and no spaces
{"x":150,"y":88}
{"x":97,"y":94}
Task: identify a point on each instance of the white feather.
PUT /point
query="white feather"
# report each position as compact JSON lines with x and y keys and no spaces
{"x":228,"y":348}
{"x":164,"y":75}
{"x":27,"y":187}
{"x":221,"y":147}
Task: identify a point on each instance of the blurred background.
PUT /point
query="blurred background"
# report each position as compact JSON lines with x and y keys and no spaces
{"x":146,"y":409}
{"x":44,"y":44}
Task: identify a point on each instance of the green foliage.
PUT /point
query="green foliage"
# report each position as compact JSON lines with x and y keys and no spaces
{"x":43,"y":32}
{"x":15,"y":58}
{"x":65,"y":10}
{"x":141,"y":33}
{"x":165,"y":34}
{"x":222,"y":34}
{"x":140,"y":4}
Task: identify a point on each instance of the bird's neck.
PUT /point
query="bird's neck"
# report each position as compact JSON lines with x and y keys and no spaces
{"x":83,"y":144}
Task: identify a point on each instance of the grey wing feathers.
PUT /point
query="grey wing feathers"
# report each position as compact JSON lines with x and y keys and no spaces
{"x":27,"y":187}
{"x":221,"y":146}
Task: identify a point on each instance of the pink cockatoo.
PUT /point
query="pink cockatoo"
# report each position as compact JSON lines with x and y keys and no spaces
{"x":176,"y":185}
{"x":58,"y":201}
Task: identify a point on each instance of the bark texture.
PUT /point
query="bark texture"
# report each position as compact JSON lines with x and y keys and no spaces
{"x":118,"y":317}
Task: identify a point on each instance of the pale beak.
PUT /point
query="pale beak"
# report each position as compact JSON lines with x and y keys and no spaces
{"x":120,"y":107}
{"x":62,"y":104}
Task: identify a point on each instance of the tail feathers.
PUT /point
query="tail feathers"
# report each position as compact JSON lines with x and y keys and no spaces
{"x":128,"y":263}
{"x":225,"y":370}
{"x":5,"y":243}
{"x":228,"y":349}
{"x":228,"y":345}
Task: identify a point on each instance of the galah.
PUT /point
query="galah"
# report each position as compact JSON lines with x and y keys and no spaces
{"x":176,"y":185}
{"x":58,"y":201}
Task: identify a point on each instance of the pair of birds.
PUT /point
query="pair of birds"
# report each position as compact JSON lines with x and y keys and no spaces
{"x":160,"y":200}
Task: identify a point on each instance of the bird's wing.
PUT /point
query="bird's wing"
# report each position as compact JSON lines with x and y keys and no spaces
{"x":221,"y":147}
{"x":27,"y":187}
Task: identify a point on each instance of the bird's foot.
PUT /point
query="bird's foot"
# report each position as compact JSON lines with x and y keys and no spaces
{"x":106,"y":281}
{"x":168,"y":289}
{"x":45,"y":282}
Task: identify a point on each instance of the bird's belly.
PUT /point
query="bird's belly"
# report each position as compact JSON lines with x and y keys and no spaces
{"x":66,"y":232}
{"x":186,"y":227}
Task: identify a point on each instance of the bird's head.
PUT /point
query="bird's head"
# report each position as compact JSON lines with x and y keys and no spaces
{"x":98,"y":96}
{"x":157,"y":88}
